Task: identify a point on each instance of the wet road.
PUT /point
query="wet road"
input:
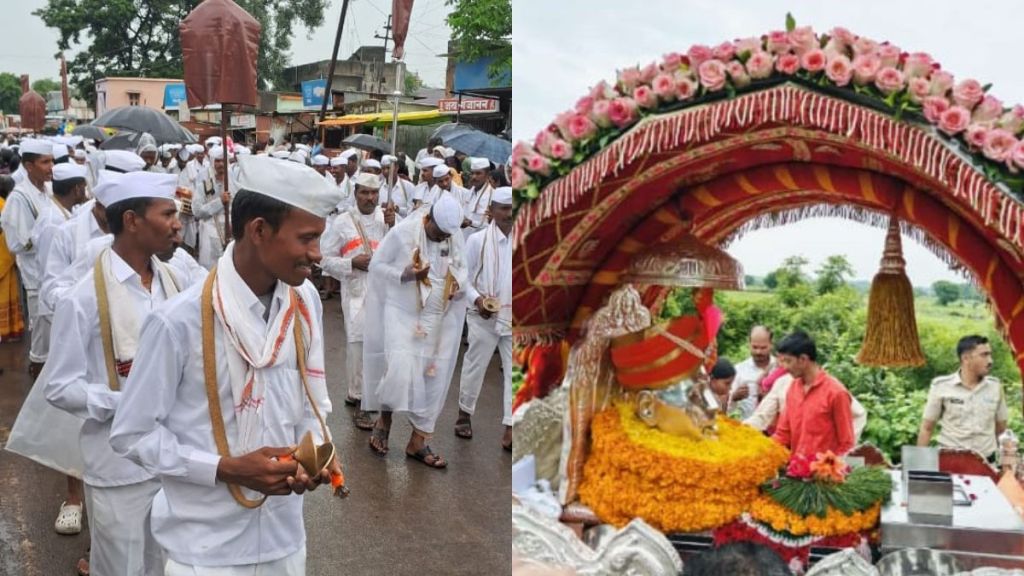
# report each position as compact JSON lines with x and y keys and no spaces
{"x":401,"y":519}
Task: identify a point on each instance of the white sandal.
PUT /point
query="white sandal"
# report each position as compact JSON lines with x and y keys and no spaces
{"x":69,"y":521}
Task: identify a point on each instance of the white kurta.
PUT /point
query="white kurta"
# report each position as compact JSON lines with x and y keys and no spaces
{"x":475,"y":209}
{"x":749,"y":376}
{"x":402,"y":194}
{"x":489,"y":266}
{"x":23,"y":207}
{"x":409,"y":354}
{"x":164,"y":425}
{"x":431,"y":196}
{"x":67,"y":246}
{"x":208,"y":209}
{"x":348,"y":192}
{"x":192,"y":177}
{"x":50,"y":218}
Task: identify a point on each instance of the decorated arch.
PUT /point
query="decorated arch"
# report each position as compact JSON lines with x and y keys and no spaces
{"x":761,"y":132}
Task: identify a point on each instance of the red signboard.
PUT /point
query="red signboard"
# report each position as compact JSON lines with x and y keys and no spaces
{"x":469,"y":105}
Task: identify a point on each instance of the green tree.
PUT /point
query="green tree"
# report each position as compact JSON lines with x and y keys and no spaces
{"x":771,"y":280}
{"x":129,"y":38}
{"x":946,"y":292}
{"x":413,"y":83}
{"x":483,"y":28}
{"x":45,"y":85}
{"x":832,"y":274}
{"x":10,"y":92}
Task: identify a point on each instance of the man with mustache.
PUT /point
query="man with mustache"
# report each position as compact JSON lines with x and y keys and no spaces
{"x":968,"y":405}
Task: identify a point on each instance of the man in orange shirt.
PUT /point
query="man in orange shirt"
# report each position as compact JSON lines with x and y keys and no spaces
{"x":816,"y":416}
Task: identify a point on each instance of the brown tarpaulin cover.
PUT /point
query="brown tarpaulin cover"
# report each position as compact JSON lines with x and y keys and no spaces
{"x":31,"y":107}
{"x":219,"y":45}
{"x":401,"y":12}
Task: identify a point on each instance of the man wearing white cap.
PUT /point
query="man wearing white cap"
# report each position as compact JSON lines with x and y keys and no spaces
{"x":426,"y":183}
{"x":17,"y":220}
{"x":209,"y":208}
{"x":348,"y":246}
{"x":337,"y":169}
{"x":347,"y":185}
{"x":443,"y":186}
{"x":479,"y":197}
{"x":413,"y":326}
{"x":489,"y":299}
{"x":320,"y":164}
{"x":229,"y":378}
{"x":400,"y":192}
{"x":99,"y":320}
{"x":372,"y":166}
{"x":123,"y":161}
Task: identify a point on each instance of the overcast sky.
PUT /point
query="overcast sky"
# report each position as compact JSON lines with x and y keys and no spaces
{"x":27,"y":46}
{"x":562,"y":48}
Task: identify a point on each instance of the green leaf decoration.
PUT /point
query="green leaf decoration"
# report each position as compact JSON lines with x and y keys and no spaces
{"x":790,"y":22}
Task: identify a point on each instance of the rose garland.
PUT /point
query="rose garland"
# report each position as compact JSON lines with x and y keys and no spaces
{"x":673,"y":483}
{"x":888,"y":77}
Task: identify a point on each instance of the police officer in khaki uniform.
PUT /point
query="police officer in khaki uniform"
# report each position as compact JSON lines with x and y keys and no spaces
{"x":968,"y":405}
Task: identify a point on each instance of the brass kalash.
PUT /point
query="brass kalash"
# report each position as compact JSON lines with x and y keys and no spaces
{"x":663,"y":369}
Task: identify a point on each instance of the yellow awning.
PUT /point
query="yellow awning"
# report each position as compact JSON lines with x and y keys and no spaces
{"x":424,"y":117}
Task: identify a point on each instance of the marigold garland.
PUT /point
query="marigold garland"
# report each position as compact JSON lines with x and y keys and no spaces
{"x":673,"y":483}
{"x":766,"y":510}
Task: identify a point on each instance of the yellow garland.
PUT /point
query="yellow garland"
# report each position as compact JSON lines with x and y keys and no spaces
{"x":766,"y":510}
{"x":675,"y":484}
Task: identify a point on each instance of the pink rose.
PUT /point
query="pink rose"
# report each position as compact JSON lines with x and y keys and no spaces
{"x":833,"y":48}
{"x":698,"y":54}
{"x":647,"y":73}
{"x":670,"y":62}
{"x":889,"y":80}
{"x":724,"y":51}
{"x":622,"y":112}
{"x":788,"y":64}
{"x":519,"y":178}
{"x":585,"y":105}
{"x":919,"y":89}
{"x":749,"y":45}
{"x":1017,"y":156}
{"x":813,"y":60}
{"x":864,"y":46}
{"x":975,"y":135}
{"x":645,"y":97}
{"x":778,"y":42}
{"x":664,"y":86}
{"x":933,"y":107}
{"x":1013,"y":120}
{"x":889,"y":54}
{"x":600,"y":113}
{"x":918,"y":64}
{"x":802,"y":39}
{"x":999,"y":145}
{"x":988,"y":110}
{"x":865,"y":67}
{"x":538,"y":165}
{"x":968,"y":93}
{"x":629,"y":78}
{"x":759,"y":65}
{"x":839,"y":69}
{"x":954,"y":120}
{"x":686,"y":86}
{"x":738,"y":74}
{"x":602,"y":91}
{"x":843,"y":36}
{"x":942,"y":81}
{"x":520,"y":152}
{"x":581,"y":127}
{"x":561,"y":149}
{"x":712,"y":75}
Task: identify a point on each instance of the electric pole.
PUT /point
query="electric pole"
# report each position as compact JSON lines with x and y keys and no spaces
{"x":387,"y":36}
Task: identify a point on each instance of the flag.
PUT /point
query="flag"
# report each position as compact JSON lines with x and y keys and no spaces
{"x":401,"y":11}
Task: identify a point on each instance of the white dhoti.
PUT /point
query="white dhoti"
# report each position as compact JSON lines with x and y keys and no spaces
{"x":40,"y":331}
{"x":292,"y":565}
{"x":483,"y":339}
{"x":354,"y":369}
{"x":122,"y":543}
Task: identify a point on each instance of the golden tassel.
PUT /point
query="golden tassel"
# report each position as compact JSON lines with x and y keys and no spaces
{"x":890,"y":337}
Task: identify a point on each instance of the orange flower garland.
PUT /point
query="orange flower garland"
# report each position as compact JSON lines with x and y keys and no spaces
{"x":767,"y":510}
{"x":673,"y":483}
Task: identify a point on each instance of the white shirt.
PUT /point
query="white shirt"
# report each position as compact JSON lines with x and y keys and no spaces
{"x":23,"y":207}
{"x":78,"y":374}
{"x":339,"y":245}
{"x":44,"y":232}
{"x":476,"y":208}
{"x":402,"y":194}
{"x":67,"y":245}
{"x":767,"y":413}
{"x":489,"y":263}
{"x":749,"y":375}
{"x":164,"y":424}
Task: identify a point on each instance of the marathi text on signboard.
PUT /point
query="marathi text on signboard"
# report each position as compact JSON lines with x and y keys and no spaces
{"x":468,"y":106}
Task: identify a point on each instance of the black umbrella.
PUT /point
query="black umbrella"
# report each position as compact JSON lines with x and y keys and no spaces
{"x":480,"y":144}
{"x":367,"y":142}
{"x":90,"y":131}
{"x":163,"y":128}
{"x":122,"y":141}
{"x":446,"y":131}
